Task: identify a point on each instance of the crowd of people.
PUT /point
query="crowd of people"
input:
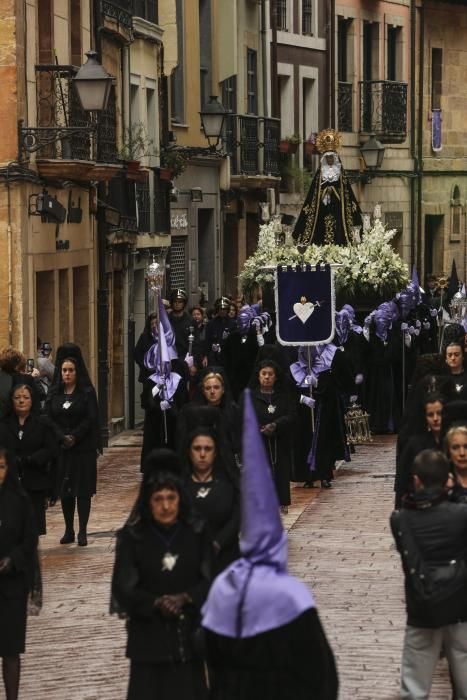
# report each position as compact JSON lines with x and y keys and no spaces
{"x":209,"y":501}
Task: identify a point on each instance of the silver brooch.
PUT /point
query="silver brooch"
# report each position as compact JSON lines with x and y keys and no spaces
{"x":203,"y":492}
{"x":168,"y":561}
{"x":459,"y":388}
{"x":271,"y":408}
{"x":67,"y":404}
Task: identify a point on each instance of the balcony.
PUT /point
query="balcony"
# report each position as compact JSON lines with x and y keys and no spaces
{"x":153,"y":206}
{"x":117,"y":18}
{"x":253,"y":146}
{"x":344,"y":106}
{"x":68,"y":144}
{"x":383,"y":110}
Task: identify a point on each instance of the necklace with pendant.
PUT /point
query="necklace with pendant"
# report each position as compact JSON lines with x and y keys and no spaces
{"x":168,"y":560}
{"x":271,"y":408}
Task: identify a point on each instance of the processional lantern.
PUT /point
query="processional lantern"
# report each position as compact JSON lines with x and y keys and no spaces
{"x":155,"y":274}
{"x":357,"y":426}
{"x":458,"y":306}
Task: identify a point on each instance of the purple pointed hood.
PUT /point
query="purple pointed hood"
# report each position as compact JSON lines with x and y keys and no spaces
{"x":255,"y":593}
{"x":343,"y":325}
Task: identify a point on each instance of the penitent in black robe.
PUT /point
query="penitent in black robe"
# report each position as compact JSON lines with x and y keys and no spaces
{"x":292,"y":662}
{"x":328,"y":213}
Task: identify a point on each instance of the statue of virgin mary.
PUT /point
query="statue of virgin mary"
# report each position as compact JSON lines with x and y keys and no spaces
{"x":330,"y":210}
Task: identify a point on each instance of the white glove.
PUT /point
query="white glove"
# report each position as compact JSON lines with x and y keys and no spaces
{"x":366,"y":333}
{"x":307,"y":401}
{"x":216,"y":347}
{"x":404,"y":326}
{"x":155,"y":391}
{"x":353,"y":398}
{"x":426,"y":325}
{"x":165,"y":405}
{"x":407,"y":340}
{"x":434,"y":312}
{"x":358,"y":379}
{"x":311,"y":380}
{"x":189,"y":360}
{"x":260,"y":339}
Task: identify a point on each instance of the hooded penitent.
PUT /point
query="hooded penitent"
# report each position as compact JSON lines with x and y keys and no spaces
{"x":256,"y":594}
{"x":157,"y":359}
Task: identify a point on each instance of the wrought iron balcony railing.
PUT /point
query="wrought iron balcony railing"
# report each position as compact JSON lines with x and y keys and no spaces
{"x":153,"y":206}
{"x":344,"y":106}
{"x":64,"y":130}
{"x":383,"y":109}
{"x":252,"y":144}
{"x":119,"y":10}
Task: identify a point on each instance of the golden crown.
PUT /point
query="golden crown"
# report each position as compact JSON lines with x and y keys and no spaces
{"x":328,"y":140}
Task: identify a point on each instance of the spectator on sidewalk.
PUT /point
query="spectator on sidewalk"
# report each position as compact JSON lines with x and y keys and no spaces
{"x":19,"y":576}
{"x":431,"y":536}
{"x":72,"y":413}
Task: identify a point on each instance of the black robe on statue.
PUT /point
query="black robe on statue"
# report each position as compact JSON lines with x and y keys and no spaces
{"x":328,"y":213}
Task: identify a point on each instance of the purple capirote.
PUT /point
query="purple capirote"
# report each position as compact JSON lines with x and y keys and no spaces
{"x":255,"y":593}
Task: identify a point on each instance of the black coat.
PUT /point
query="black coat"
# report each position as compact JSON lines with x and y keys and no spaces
{"x":278,"y":444}
{"x":439,"y":528}
{"x":292,"y":662}
{"x":138,"y":579}
{"x":154,"y":423}
{"x":77,"y":465}
{"x":218,"y":503}
{"x":239,"y":353}
{"x":218,"y":330}
{"x":32,"y":453}
{"x":18,"y":541}
{"x":144,"y":343}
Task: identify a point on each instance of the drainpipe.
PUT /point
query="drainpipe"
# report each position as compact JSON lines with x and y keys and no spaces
{"x":264,"y":59}
{"x":421,"y":78}
{"x":102,"y":290}
{"x":330,"y":63}
{"x":332,"y":86}
{"x":413,"y":154}
{"x":10,"y":261}
{"x":274,"y":85}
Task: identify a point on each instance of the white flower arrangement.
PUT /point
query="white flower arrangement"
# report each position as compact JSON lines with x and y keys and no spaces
{"x":369,"y":267}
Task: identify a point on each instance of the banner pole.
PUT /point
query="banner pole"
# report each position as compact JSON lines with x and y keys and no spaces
{"x":311,"y":390}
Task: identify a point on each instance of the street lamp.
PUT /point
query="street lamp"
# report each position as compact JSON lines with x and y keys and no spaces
{"x":93,"y":84}
{"x":212,"y":120}
{"x":372,"y":153}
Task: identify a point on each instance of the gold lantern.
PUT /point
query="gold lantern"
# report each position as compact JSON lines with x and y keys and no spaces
{"x":357,"y":426}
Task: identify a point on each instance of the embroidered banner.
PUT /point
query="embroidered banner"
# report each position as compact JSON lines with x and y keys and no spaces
{"x":436,"y":133}
{"x":305,"y":304}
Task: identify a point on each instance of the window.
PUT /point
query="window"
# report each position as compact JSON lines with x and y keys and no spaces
{"x":281,"y":14}
{"x":343,"y":26}
{"x":135,"y":113}
{"x":205,"y":51}
{"x":436,"y":78}
{"x":307,"y":17}
{"x":393,"y":57}
{"x":147,"y":9}
{"x":367,"y":51}
{"x":229,"y":93}
{"x":456,"y":217}
{"x":177,"y":78}
{"x":75,"y":32}
{"x":252,"y":82}
{"x":45,"y":30}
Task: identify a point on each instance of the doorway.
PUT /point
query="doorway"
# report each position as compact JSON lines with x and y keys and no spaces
{"x":434,"y":244}
{"x":207,"y":278}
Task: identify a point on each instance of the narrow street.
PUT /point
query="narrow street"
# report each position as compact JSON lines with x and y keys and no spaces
{"x":340,"y":544}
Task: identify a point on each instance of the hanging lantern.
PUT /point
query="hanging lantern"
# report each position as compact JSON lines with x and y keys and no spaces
{"x":357,"y":426}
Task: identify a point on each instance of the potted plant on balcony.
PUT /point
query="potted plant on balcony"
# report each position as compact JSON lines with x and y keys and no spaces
{"x":173,"y":163}
{"x":309,"y":145}
{"x":289,"y":144}
{"x":136,"y":145}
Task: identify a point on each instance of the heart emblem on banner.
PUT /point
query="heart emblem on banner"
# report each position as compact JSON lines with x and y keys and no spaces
{"x":303,"y":311}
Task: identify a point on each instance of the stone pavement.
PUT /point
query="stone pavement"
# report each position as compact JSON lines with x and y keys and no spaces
{"x":339,"y":544}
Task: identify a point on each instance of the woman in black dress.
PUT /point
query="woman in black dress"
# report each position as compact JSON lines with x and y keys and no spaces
{"x":32,"y":448}
{"x":429,"y":439}
{"x":214,"y":490}
{"x":160,"y":580}
{"x":72,"y":413}
{"x":276,"y":416}
{"x":18,"y":562}
{"x":455,"y":383}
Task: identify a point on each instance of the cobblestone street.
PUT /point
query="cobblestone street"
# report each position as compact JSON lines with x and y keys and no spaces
{"x":340,"y":544}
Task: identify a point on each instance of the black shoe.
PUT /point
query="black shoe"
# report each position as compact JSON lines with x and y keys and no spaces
{"x":68,"y":537}
{"x":308,"y":485}
{"x":325,"y":484}
{"x":82,"y":539}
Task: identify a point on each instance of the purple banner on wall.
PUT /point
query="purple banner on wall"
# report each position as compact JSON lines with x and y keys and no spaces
{"x":436,"y":134}
{"x":305,"y":304}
